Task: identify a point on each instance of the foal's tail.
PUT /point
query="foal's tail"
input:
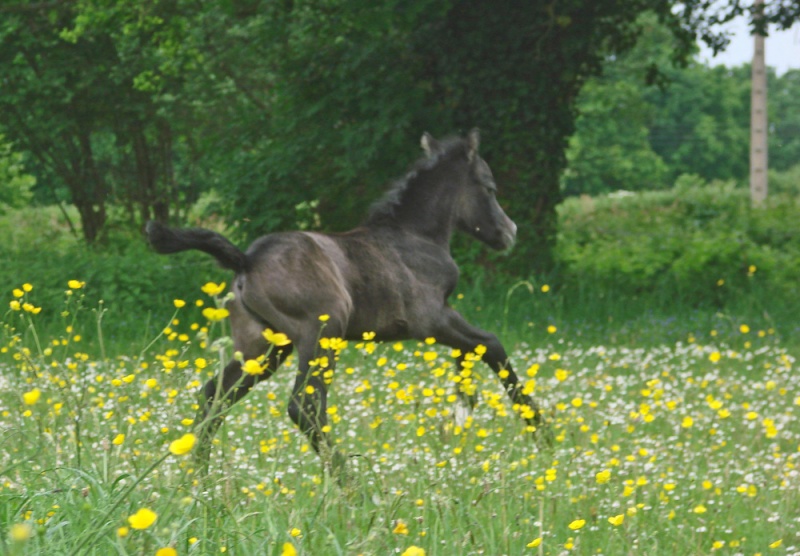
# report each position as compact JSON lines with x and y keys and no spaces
{"x":172,"y":240}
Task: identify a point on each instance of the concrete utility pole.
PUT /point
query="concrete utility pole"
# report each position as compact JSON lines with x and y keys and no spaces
{"x":758,"y":118}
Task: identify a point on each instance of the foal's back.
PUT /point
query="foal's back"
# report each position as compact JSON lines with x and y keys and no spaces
{"x":370,"y":279}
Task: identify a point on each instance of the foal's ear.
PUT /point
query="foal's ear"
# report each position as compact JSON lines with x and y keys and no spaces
{"x":430,"y":145}
{"x":473,"y":142}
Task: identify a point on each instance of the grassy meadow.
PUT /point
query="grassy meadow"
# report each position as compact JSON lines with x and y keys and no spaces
{"x":684,"y":443}
{"x":663,"y":349}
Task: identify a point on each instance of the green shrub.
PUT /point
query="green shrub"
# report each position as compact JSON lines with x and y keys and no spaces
{"x":136,"y":284}
{"x":697,"y":243}
{"x":786,"y":182}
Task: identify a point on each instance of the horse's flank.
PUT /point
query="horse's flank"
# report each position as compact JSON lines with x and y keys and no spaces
{"x":391,"y":276}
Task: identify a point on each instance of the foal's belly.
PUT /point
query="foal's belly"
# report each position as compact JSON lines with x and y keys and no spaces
{"x":398,"y":329}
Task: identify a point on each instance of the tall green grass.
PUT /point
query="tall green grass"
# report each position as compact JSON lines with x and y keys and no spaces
{"x":689,"y":447}
{"x":648,"y":267}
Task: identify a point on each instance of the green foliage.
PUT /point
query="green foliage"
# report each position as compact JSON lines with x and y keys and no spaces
{"x":144,"y":105}
{"x":697,"y":244}
{"x":355,"y":85}
{"x":783,"y":97}
{"x":135,"y":284}
{"x":611,"y":149}
{"x":351,"y":86}
{"x":703,"y":122}
{"x":632,"y":136}
{"x":786,"y":182}
{"x":15,"y":183}
{"x":99,"y":125}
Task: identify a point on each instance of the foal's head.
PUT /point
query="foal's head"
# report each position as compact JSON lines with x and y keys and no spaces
{"x":477,"y":211}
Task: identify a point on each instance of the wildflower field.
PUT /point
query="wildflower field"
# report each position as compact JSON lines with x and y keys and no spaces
{"x":688,"y":447}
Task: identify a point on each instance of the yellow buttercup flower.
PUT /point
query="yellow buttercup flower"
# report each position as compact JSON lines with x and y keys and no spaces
{"x":616,"y":520}
{"x":603,"y":476}
{"x":20,"y":532}
{"x":288,"y":549}
{"x":213,"y":314}
{"x":31,"y":397}
{"x":253,"y":367}
{"x":178,"y":303}
{"x":118,"y":440}
{"x":577,"y":524}
{"x":166,"y":551}
{"x":212,"y":289}
{"x":276,"y":338}
{"x":401,"y":528}
{"x":413,"y":551}
{"x":75,"y":284}
{"x":183,"y":445}
{"x":143,"y":518}
{"x":534,"y":543}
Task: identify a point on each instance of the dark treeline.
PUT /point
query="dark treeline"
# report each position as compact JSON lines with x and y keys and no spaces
{"x":299,"y":113}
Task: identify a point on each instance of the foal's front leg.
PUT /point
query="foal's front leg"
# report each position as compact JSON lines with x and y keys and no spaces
{"x":455,"y":331}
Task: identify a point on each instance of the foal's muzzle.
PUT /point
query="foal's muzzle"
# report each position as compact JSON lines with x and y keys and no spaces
{"x":508,"y":233}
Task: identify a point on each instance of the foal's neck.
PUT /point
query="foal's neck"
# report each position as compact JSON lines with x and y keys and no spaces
{"x":429,"y":205}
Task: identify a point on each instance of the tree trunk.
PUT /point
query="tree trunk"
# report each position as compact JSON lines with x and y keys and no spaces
{"x":87,"y":188}
{"x":145,"y":176}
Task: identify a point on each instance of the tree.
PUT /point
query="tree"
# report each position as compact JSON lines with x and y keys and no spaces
{"x":278,"y":103}
{"x":784,"y":103}
{"x":356,"y":83}
{"x":80,"y":98}
{"x":610,"y":149}
{"x":701,"y":124}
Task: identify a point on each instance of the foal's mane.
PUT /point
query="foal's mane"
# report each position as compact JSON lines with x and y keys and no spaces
{"x":385,"y":209}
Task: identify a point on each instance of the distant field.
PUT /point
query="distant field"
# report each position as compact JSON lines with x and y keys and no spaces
{"x":678,"y":447}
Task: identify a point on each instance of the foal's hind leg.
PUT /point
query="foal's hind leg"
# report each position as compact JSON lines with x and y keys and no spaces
{"x":308,"y":405}
{"x":233,"y":383}
{"x":456,"y":332}
{"x":224,"y":390}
